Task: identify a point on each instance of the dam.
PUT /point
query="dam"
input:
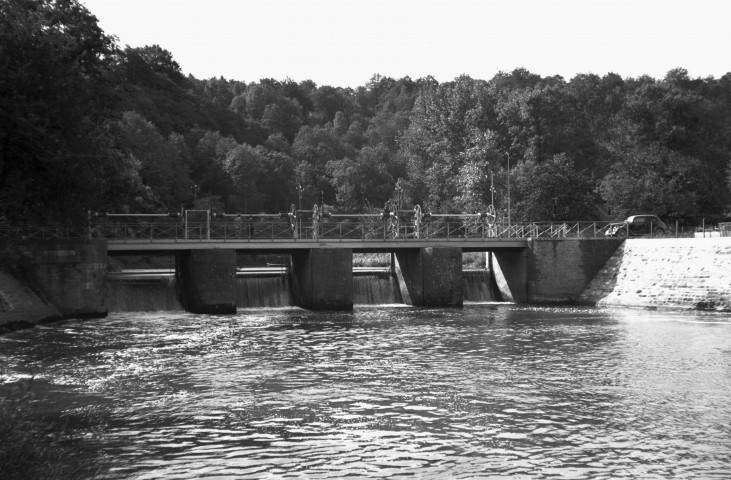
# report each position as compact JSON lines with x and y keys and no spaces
{"x":71,"y":277}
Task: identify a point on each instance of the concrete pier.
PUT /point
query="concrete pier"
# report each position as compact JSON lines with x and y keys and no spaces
{"x":430,"y":277}
{"x":322,"y":279}
{"x":510,"y":269}
{"x":207,"y":281}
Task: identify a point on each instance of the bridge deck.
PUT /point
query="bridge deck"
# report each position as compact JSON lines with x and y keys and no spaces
{"x":291,"y":245}
{"x":277,"y":236}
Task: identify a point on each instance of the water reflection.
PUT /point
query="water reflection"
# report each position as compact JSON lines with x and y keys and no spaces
{"x":484,"y":391}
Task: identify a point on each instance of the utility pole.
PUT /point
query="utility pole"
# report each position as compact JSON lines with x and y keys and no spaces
{"x":509,"y":189}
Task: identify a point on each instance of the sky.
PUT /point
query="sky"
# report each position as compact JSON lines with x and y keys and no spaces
{"x":343,"y":43}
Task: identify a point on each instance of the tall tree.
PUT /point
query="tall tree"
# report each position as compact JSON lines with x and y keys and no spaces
{"x":650,"y":178}
{"x":152,"y":64}
{"x":284,"y":116}
{"x":313,"y":148}
{"x":163,"y":166}
{"x":52,"y":58}
{"x":263,"y":180}
{"x":363,"y":181}
{"x":551,"y":191}
{"x":209,"y":150}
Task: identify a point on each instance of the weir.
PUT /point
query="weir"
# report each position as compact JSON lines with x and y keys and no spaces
{"x":375,"y":286}
{"x":150,"y":292}
{"x":72,"y":275}
{"x":264,"y":290}
{"x":479,"y":286}
{"x":156,"y":290}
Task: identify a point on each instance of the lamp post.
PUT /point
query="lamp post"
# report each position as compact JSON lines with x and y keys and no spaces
{"x":492,"y":189}
{"x":398,"y":194}
{"x":299,"y":207}
{"x":398,"y":207}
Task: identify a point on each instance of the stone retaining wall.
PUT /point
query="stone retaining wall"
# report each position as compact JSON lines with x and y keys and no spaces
{"x":70,"y":273}
{"x":45,"y":280}
{"x":693,"y":273}
{"x":20,"y":306}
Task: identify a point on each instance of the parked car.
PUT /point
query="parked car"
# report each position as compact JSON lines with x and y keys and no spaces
{"x":638,"y":225}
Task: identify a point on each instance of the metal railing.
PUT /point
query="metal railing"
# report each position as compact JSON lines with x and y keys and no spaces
{"x":272,"y":230}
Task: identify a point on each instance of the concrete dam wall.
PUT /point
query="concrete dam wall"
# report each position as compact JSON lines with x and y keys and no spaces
{"x":692,"y":273}
{"x":64,"y":278}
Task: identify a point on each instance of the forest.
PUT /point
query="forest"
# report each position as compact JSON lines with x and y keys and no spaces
{"x":86,"y":124}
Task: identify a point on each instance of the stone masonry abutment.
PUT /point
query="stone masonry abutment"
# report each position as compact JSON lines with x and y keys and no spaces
{"x":71,"y":273}
{"x":551,"y":270}
{"x":67,"y":276}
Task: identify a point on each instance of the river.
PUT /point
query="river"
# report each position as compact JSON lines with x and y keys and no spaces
{"x":486,"y":391}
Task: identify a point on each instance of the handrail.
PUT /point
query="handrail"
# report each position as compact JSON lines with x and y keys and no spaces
{"x":271,"y":228}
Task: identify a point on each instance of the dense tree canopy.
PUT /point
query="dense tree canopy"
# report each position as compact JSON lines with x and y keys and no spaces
{"x":53,"y":56}
{"x":85,"y":124}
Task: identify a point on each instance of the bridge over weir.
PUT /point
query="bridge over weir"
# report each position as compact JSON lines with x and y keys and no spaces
{"x":533,"y":262}
{"x":280,"y":246}
{"x":360,"y":233}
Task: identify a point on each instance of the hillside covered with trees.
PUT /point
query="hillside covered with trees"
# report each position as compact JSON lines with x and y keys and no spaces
{"x":86,"y":124}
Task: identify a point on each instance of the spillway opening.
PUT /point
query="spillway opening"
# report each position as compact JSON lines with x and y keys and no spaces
{"x":265,"y":281}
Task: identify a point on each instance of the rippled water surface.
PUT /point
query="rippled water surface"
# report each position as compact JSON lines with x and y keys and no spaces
{"x":391,"y":392}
